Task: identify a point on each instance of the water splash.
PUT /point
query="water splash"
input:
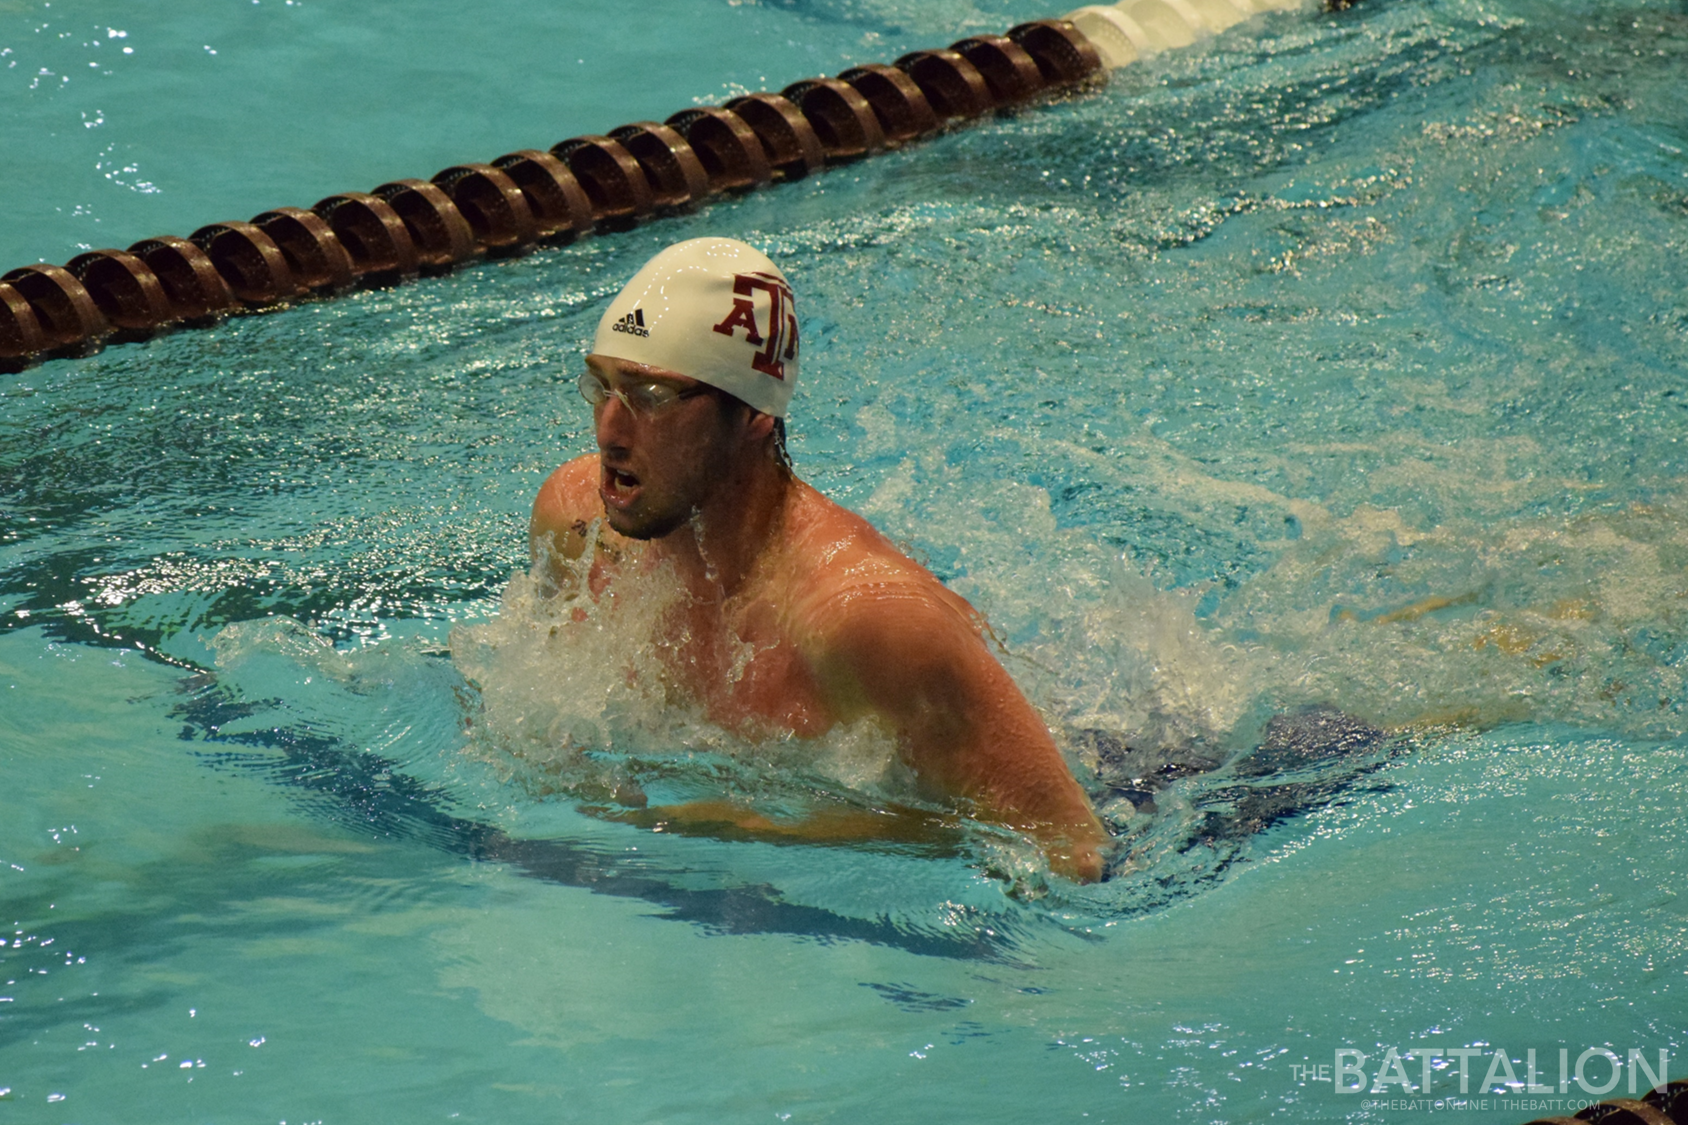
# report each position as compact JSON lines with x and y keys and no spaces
{"x":577,"y":694}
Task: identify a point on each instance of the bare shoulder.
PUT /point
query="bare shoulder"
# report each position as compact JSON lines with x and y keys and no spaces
{"x":567,"y":503}
{"x":856,"y":593}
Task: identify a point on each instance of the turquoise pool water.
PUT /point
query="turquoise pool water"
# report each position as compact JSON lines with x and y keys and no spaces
{"x":1333,"y":361}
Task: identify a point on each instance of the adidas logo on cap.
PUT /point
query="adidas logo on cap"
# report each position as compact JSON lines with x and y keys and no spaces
{"x":633,"y":324}
{"x":713,"y":309}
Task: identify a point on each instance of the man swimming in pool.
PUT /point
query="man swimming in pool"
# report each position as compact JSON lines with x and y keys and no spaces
{"x":689,"y":377}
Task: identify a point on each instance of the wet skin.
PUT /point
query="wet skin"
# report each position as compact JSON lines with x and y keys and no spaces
{"x":842,"y":624}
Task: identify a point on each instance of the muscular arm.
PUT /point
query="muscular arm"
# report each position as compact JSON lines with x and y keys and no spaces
{"x":916,"y":660}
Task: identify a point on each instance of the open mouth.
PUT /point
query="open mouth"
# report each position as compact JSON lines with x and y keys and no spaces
{"x":618,"y":487}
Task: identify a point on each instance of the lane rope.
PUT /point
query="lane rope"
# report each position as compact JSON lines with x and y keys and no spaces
{"x":590,"y":184}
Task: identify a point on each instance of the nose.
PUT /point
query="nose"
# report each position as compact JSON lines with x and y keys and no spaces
{"x":614,"y":421}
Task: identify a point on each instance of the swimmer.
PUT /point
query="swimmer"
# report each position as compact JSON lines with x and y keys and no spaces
{"x":689,"y":377}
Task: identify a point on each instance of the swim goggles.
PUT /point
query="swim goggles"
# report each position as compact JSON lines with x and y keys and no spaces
{"x":644,"y":399}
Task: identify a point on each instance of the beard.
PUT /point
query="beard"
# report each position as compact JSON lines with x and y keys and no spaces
{"x":649,"y":525}
{"x":664,"y":506}
{"x":676,"y":480}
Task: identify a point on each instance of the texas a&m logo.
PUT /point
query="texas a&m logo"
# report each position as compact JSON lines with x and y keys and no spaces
{"x":781,"y":335}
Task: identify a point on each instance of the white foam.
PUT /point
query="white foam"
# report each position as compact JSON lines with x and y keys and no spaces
{"x":577,"y":694}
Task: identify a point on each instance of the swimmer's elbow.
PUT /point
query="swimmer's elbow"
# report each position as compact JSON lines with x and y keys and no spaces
{"x":1077,"y":855}
{"x":1085,"y":867}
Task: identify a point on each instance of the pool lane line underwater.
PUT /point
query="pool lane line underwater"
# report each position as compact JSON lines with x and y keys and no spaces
{"x":593,"y":183}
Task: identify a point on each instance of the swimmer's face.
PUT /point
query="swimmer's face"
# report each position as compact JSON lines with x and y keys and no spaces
{"x":657,"y":467}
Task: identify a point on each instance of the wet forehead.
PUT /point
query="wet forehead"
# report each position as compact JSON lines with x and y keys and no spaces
{"x":626,"y":371}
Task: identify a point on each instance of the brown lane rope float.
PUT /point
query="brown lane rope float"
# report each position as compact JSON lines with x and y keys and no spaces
{"x":524,"y":200}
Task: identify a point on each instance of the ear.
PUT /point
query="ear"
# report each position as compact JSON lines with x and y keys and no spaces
{"x":759,"y":428}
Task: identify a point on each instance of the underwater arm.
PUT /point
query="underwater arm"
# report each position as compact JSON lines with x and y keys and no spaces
{"x":824,"y":824}
{"x":963,"y":725}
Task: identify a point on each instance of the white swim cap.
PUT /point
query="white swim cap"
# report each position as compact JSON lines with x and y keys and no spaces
{"x":715,"y":309}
